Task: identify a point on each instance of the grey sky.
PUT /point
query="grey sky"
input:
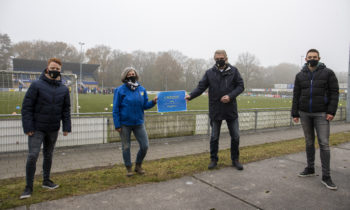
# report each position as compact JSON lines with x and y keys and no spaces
{"x":275,"y":31}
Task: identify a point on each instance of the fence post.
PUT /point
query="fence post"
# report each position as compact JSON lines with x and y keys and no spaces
{"x":256,"y":119}
{"x":341,"y":113}
{"x":103,"y":128}
{"x":208,"y":130}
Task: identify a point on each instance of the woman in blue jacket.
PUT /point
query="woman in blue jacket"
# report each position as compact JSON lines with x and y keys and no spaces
{"x":129,"y":102}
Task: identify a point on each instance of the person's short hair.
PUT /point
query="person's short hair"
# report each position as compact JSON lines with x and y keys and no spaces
{"x":222,"y":52}
{"x":313,"y":50}
{"x":126,"y":71}
{"x":55,"y":60}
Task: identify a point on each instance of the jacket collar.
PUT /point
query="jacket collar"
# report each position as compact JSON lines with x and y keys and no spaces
{"x":320,"y":66}
{"x":50,"y":81}
{"x":228,"y":67}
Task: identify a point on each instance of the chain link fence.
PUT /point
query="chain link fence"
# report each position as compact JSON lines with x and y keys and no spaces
{"x":98,"y":128}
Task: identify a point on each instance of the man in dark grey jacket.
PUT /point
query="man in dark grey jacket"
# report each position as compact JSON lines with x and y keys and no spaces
{"x":225,"y":84}
{"x":45,"y":104}
{"x":315,"y":102}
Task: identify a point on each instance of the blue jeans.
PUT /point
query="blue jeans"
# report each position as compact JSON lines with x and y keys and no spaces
{"x":141,"y":137}
{"x":311,"y":122}
{"x":233,"y":128}
{"x":34,"y":143}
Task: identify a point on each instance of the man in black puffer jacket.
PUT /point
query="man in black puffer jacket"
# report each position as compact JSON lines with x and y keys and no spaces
{"x":315,"y":102}
{"x":45,"y":104}
{"x":225,"y":84}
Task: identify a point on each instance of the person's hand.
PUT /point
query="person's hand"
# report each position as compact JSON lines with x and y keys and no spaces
{"x":155,"y":100}
{"x":225,"y":99}
{"x":329,"y":117}
{"x":65,"y":133}
{"x":187,"y":97}
{"x":296,"y":119}
{"x":30,"y":133}
{"x":118,"y":129}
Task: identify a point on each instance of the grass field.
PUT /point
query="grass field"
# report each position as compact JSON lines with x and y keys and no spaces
{"x":80,"y":182}
{"x":11,"y":101}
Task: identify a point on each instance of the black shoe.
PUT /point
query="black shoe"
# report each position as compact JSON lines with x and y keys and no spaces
{"x":212,"y":164}
{"x":26,"y":193}
{"x":307,"y":172}
{"x":327,"y":181}
{"x":237,"y":165}
{"x":49,"y":184}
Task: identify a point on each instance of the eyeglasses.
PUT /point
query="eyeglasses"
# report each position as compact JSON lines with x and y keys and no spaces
{"x":312,"y":57}
{"x":219,"y":59}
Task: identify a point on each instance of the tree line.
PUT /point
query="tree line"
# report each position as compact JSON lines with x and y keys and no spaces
{"x":169,"y":70}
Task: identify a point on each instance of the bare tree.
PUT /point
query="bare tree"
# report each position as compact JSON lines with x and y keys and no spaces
{"x":283,"y":73}
{"x":119,"y":61}
{"x":144,"y":63}
{"x":248,"y":66}
{"x":103,"y":56}
{"x":5,"y":52}
{"x":168,"y":72}
{"x":42,"y":50}
{"x":193,"y":72}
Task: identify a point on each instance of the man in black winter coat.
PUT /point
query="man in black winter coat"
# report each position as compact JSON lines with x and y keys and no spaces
{"x":45,"y":104}
{"x":315,"y":102}
{"x":225,"y":84}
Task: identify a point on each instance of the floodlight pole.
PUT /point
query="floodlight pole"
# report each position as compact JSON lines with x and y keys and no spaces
{"x":81,"y":63}
{"x":348,"y":93}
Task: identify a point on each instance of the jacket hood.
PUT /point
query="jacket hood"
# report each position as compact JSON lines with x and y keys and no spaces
{"x":319,"y":67}
{"x":50,"y":81}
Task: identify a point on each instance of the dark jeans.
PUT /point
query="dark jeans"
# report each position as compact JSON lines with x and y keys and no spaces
{"x":34,"y":143}
{"x":233,"y":128}
{"x":141,"y":137}
{"x":311,"y":122}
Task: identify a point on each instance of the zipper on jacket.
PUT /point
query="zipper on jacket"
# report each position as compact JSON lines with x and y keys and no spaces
{"x":53,"y":102}
{"x":311,"y":83}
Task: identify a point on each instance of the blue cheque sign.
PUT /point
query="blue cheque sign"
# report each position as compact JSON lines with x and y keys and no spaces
{"x":172,"y":101}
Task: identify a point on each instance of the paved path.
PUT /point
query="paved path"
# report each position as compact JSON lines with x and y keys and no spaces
{"x":65,"y":159}
{"x":268,"y":184}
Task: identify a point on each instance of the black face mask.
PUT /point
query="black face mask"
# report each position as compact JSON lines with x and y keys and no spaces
{"x":312,"y":63}
{"x":220,"y":63}
{"x":132,"y":79}
{"x":53,"y":73}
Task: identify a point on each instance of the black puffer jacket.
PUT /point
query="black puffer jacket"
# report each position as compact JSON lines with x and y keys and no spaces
{"x":45,"y":104}
{"x":316,"y":91}
{"x":229,"y":82}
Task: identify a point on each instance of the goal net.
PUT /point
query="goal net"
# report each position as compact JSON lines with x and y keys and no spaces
{"x":14,"y":84}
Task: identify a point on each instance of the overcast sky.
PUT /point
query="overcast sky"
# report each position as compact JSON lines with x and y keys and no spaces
{"x":274,"y":31}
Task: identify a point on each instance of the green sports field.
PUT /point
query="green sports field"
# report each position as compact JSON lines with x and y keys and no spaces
{"x":11,"y":102}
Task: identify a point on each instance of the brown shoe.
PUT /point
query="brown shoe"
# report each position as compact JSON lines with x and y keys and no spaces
{"x":139,"y":169}
{"x":129,"y":172}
